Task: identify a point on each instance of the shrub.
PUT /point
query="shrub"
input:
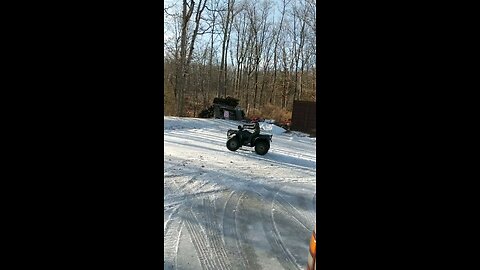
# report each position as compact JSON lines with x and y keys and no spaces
{"x":207,"y":113}
{"x":269,"y":111}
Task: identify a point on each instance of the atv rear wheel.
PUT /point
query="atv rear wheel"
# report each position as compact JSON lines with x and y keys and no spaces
{"x":233,"y":144}
{"x":261,"y":147}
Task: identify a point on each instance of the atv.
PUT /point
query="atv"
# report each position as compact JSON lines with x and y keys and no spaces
{"x":240,"y":137}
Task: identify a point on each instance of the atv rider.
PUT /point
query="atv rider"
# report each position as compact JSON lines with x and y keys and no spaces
{"x":247,"y":135}
{"x":256,"y":131}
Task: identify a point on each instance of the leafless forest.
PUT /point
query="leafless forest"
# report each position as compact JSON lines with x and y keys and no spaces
{"x":262,"y":52}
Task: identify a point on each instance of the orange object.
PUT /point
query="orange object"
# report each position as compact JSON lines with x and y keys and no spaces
{"x":312,"y":251}
{"x":313,"y":245}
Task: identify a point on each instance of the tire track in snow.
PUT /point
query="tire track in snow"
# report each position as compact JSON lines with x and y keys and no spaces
{"x":177,"y":199}
{"x":179,"y":175}
{"x":214,"y":235}
{"x":241,"y":239}
{"x":178,"y":243}
{"x":167,"y":190}
{"x":176,"y":184}
{"x":286,"y":251}
{"x":300,"y":179}
{"x":183,"y":196}
{"x":170,"y":205}
{"x":188,"y":189}
{"x":232,"y":243}
{"x":281,"y":243}
{"x":294,"y":212}
{"x":189,"y":181}
{"x":169,"y":220}
{"x":203,"y":184}
{"x":271,"y":231}
{"x":205,"y":137}
{"x":296,"y":154}
{"x":199,"y":241}
{"x":269,"y":159}
{"x":171,"y":240}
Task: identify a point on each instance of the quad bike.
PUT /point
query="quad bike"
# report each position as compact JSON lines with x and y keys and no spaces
{"x":241,"y":137}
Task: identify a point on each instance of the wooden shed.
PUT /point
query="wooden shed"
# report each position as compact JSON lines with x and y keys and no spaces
{"x":304,"y":117}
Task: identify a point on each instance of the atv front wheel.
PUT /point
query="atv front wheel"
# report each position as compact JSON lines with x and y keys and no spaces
{"x":262,"y":147}
{"x":233,"y":144}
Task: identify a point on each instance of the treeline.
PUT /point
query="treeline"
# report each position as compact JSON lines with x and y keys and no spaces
{"x":261,"y":52}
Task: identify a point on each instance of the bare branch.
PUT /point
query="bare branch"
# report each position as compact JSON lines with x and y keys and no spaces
{"x":216,"y":10}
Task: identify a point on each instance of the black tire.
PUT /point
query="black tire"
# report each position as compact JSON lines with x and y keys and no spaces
{"x":233,"y":144}
{"x":262,"y":147}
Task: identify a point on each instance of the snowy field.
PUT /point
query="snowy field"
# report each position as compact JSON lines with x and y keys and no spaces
{"x":236,"y":210}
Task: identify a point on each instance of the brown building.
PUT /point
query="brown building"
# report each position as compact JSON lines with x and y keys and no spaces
{"x":304,"y":117}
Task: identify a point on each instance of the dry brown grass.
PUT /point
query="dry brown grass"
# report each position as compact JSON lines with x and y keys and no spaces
{"x":270,"y":111}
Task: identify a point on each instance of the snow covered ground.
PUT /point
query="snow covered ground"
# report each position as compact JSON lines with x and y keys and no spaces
{"x":236,"y":210}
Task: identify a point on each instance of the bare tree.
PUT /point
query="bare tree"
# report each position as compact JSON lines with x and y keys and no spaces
{"x":275,"y":51}
{"x":185,"y":59}
{"x":226,"y":29}
{"x":241,"y":49}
